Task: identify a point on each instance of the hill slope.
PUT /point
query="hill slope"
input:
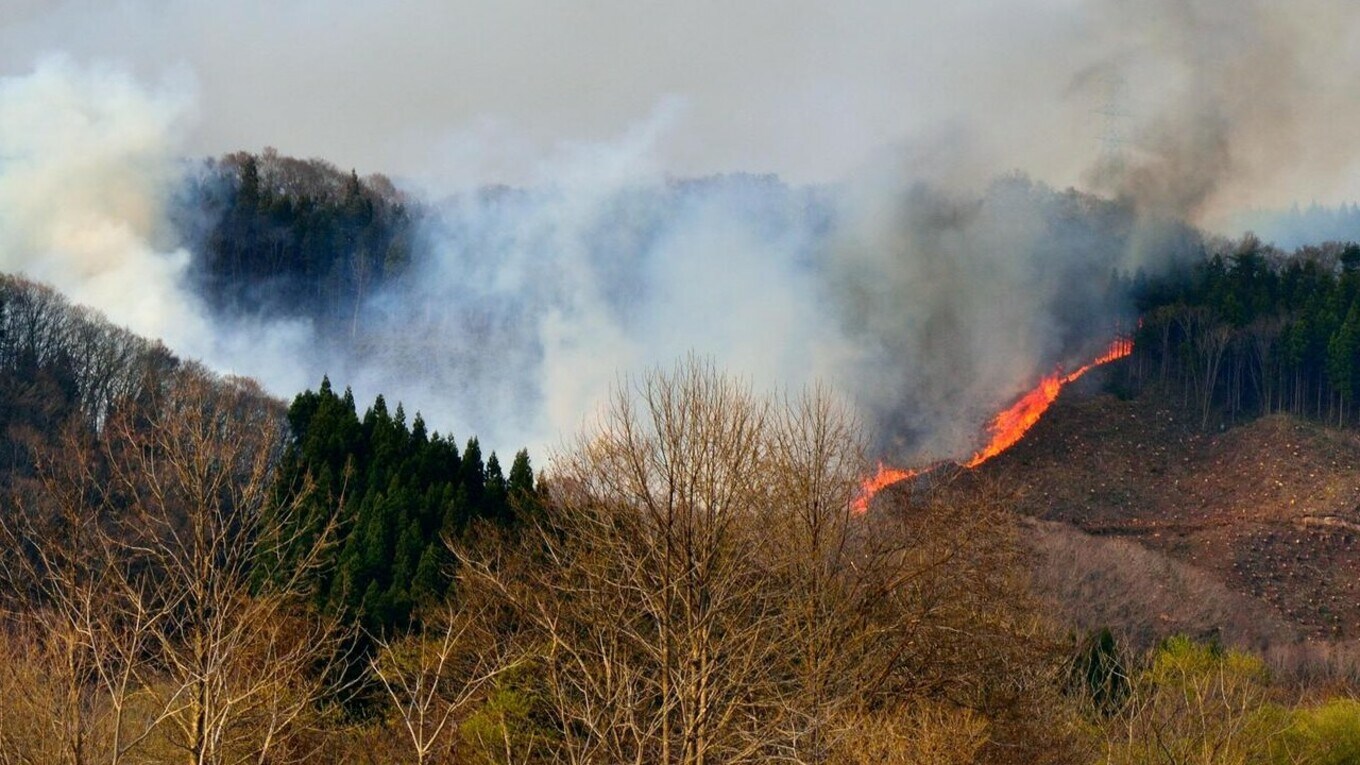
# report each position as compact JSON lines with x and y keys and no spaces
{"x":1260,"y":523}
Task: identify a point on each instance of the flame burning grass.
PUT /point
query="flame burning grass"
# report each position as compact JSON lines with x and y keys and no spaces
{"x":1010,"y":426}
{"x":1006,"y":429}
{"x":885,"y":477}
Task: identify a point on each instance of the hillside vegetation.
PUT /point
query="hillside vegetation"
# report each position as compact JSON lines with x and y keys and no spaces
{"x":1162,"y":570}
{"x":688,"y":584}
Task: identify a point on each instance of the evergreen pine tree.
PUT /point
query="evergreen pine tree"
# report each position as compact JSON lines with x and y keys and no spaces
{"x":392,"y":495}
{"x":429,"y":584}
{"x":520,"y":486}
{"x":473,"y":474}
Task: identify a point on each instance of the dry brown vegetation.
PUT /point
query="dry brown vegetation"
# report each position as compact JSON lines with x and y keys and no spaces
{"x":131,"y":603}
{"x":1262,"y":514}
{"x":702,"y":593}
{"x":695,"y":589}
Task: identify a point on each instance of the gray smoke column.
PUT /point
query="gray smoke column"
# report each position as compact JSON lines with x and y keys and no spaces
{"x":1217,"y":102}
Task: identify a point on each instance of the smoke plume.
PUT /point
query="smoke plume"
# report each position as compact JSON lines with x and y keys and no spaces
{"x":89,"y":157}
{"x":85,"y":155}
{"x":1215,"y":106}
{"x":930,"y":285}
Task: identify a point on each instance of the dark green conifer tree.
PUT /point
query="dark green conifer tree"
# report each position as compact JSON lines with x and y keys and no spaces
{"x":391,"y":496}
{"x":495,"y":504}
{"x":523,"y":495}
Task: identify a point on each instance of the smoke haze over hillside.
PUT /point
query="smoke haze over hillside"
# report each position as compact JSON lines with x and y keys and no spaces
{"x":89,"y":160}
{"x":889,"y":262}
{"x":466,"y":93}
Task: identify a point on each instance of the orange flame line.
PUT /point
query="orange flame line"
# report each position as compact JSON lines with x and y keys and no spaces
{"x":885,"y":477}
{"x":1006,"y":429}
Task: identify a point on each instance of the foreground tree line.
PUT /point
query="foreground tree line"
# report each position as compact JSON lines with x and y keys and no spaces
{"x":689,"y":586}
{"x":191,"y":572}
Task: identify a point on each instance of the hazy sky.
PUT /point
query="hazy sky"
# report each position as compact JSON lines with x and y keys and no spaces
{"x":480,"y":91}
{"x":461,"y":92}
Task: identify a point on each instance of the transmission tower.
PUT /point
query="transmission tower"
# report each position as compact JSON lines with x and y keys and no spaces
{"x":1114,"y":120}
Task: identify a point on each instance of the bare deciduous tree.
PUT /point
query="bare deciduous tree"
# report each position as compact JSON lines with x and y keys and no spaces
{"x":435,"y":676}
{"x":700,"y":591}
{"x":143,"y":547}
{"x":1195,"y":705}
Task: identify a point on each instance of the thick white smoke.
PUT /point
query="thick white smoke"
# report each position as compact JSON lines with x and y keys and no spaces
{"x":85,"y":155}
{"x":88,"y":158}
{"x":528,"y":304}
{"x":927,"y":293}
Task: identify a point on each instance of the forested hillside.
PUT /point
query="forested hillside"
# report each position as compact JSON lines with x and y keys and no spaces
{"x":196,"y":574}
{"x":193,"y":571}
{"x":63,"y":365}
{"x":1253,"y":330}
{"x":282,"y":235}
{"x":202,"y":576}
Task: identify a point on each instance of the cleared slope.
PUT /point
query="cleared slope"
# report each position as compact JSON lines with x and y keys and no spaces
{"x":1266,"y":515}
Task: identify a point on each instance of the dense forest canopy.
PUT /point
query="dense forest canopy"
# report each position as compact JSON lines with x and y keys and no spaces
{"x":279,"y":234}
{"x":1252,"y":330}
{"x":393,"y":494}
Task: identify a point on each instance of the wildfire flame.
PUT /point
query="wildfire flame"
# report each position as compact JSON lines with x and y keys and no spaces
{"x":885,"y":477}
{"x":1006,"y":428}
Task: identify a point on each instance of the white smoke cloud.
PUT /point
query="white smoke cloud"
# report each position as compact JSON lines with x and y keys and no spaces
{"x":527,"y":305}
{"x":927,"y":294}
{"x":85,"y":155}
{"x":88,"y":158}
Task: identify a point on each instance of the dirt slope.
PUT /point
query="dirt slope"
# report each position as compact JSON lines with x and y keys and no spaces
{"x":1265,"y":516}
